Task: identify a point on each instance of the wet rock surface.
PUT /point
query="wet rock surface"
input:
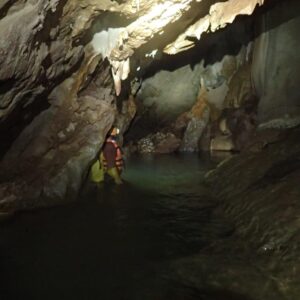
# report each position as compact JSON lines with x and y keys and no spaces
{"x":259,"y":195}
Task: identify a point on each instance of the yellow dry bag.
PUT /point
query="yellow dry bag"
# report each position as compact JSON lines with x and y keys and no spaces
{"x":97,"y":172}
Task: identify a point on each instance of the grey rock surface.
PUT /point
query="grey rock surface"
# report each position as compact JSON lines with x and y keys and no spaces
{"x":48,"y":162}
{"x":276,"y":65}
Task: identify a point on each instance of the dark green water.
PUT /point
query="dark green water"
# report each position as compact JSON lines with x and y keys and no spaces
{"x":116,"y":242}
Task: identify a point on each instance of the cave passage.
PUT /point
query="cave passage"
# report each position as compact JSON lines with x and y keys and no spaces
{"x":118,"y":241}
{"x":183,"y":81}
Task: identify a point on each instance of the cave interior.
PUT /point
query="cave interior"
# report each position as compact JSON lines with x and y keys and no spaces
{"x":206,"y":97}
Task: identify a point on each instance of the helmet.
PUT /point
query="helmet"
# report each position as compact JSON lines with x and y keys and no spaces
{"x":115,"y":131}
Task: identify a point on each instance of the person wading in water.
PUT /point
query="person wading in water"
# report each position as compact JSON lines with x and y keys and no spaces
{"x":110,"y":161}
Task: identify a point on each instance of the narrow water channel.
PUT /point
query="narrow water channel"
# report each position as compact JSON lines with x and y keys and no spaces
{"x":115,"y":242}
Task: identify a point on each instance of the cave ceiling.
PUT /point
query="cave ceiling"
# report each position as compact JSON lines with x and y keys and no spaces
{"x":179,"y":22}
{"x":151,"y":17}
{"x":44,"y":41}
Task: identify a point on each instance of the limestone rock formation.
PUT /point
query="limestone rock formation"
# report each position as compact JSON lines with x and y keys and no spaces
{"x":60,"y":90}
{"x":36,"y":52}
{"x":218,"y":16}
{"x":276,"y":81}
{"x":198,"y":120}
{"x":168,"y":94}
{"x":47,"y":163}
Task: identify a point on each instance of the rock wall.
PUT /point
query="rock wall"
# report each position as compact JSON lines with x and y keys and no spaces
{"x":48,"y":162}
{"x":256,"y":61}
{"x":186,"y":100}
{"x":276,"y":65}
{"x":169,"y":93}
{"x":36,"y":53}
{"x":56,"y":100}
{"x":259,"y":194}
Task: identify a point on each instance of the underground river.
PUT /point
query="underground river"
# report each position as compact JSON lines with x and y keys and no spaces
{"x":117,"y":242}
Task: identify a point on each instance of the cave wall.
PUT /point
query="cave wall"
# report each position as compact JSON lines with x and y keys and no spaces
{"x":191,"y":90}
{"x":276,"y":65}
{"x":36,"y":54}
{"x":57,"y":101}
{"x":255,"y":59}
{"x":48,"y":162}
{"x":169,"y":93}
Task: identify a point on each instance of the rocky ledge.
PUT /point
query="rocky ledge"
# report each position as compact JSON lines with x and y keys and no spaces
{"x":259,"y":192}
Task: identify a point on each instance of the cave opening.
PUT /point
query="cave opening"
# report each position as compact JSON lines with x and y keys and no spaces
{"x":150,"y":149}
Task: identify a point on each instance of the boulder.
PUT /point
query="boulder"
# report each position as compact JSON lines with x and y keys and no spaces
{"x":222,"y":143}
{"x":159,"y":143}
